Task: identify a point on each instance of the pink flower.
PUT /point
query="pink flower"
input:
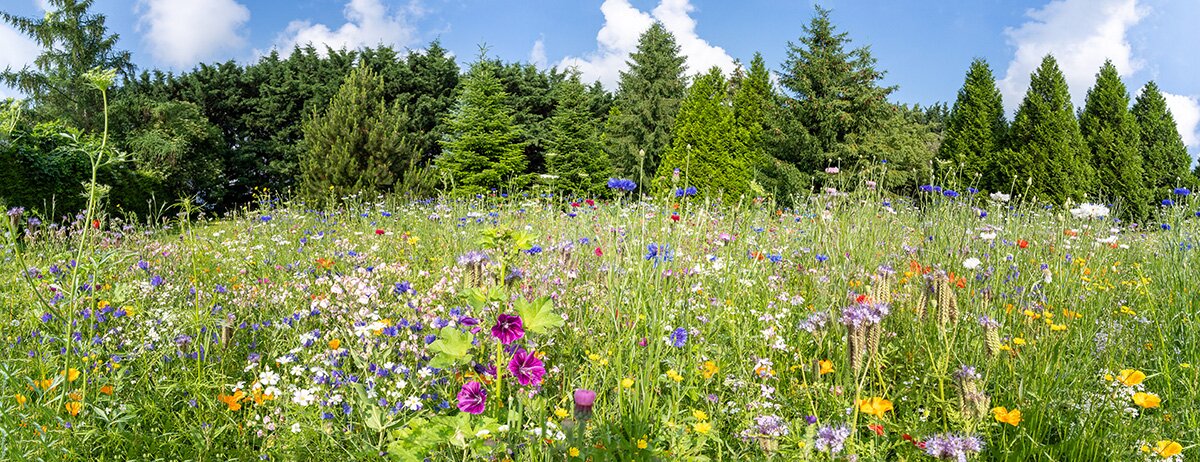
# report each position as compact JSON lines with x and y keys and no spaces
{"x":508,"y":328}
{"x":584,"y":399}
{"x":472,"y":398}
{"x":527,"y":368}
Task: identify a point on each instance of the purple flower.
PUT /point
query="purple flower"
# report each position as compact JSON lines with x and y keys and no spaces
{"x":831,"y":439}
{"x":472,"y":398}
{"x":584,"y":399}
{"x":527,"y":368}
{"x":508,"y":328}
{"x":966,"y":372}
{"x":472,"y":258}
{"x":679,"y":337}
{"x":949,"y":446}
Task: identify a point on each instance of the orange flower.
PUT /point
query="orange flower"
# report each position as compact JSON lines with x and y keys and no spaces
{"x":335,"y":344}
{"x":709,"y":369}
{"x":233,"y":401}
{"x":107,"y":389}
{"x":72,"y":374}
{"x":44,"y":384}
{"x":73,"y":407}
{"x":875,"y":406}
{"x":1003,"y":415}
{"x":824,"y":366}
{"x":1167,"y":449}
{"x":259,"y":397}
{"x":21,"y":400}
{"x":1131,"y":377}
{"x":76,"y":395}
{"x":1146,"y":400}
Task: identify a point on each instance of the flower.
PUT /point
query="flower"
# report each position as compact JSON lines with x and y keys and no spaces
{"x":708,"y":369}
{"x":952,"y":447}
{"x":678,"y":337}
{"x":1003,"y":415}
{"x":232,"y":401}
{"x":1167,"y":202}
{"x":641,"y":443}
{"x":831,"y":439}
{"x":526,"y":367}
{"x":824,"y":366}
{"x":685,"y":192}
{"x":107,"y":389}
{"x":699,"y":415}
{"x":21,"y":400}
{"x":878,"y":429}
{"x":335,"y":344}
{"x":573,"y":452}
{"x":1167,"y":449}
{"x":875,"y":406}
{"x":1087,"y":211}
{"x":584,"y":399}
{"x":508,"y":328}
{"x":702,"y":427}
{"x":627,"y":382}
{"x":671,"y":374}
{"x":1146,"y":400}
{"x":73,"y":407}
{"x":472,"y":398}
{"x":1131,"y":377}
{"x":971,"y":263}
{"x":621,"y":184}
{"x":832,"y":170}
{"x":1182,"y":191}
{"x":1000,"y":197}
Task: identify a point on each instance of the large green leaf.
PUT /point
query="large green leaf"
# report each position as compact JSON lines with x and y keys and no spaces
{"x":538,"y":316}
{"x":451,"y":347}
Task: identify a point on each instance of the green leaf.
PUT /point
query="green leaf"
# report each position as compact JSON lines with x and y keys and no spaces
{"x":538,"y":316}
{"x":451,"y":347}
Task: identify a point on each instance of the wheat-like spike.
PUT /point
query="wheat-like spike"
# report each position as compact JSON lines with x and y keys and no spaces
{"x":991,"y":337}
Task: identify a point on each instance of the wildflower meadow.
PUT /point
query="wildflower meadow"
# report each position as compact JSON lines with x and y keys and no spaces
{"x":855,"y":326}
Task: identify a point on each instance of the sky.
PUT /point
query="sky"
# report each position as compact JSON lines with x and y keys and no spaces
{"x":924,"y":46}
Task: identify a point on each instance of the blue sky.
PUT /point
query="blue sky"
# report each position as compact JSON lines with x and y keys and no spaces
{"x":925,"y":46}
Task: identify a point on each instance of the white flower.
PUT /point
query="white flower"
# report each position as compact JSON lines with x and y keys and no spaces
{"x":987,"y":236}
{"x":413,"y":403}
{"x":1107,"y":240}
{"x":296,"y":427}
{"x":303,"y":397}
{"x":1086,"y":211}
{"x":1000,"y":197}
{"x":268,"y":378}
{"x":971,"y":263}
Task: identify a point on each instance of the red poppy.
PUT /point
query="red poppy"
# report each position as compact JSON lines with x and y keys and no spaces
{"x":599,"y":253}
{"x":574,"y":204}
{"x":861,"y":298}
{"x":590,"y":203}
{"x":675,"y":217}
{"x":878,"y":429}
{"x":379,"y":232}
{"x":96,"y":224}
{"x":1022,"y":243}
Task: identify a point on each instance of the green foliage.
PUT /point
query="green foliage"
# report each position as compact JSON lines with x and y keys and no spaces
{"x":172,"y":144}
{"x":1111,"y":134}
{"x":896,"y":153}
{"x":649,"y":94}
{"x":1046,"y":133}
{"x":575,"y":159}
{"x":834,"y":92}
{"x":73,"y":40}
{"x":975,"y":128}
{"x":355,"y":145}
{"x":1165,"y":160}
{"x":482,"y":149}
{"x":40,"y":169}
{"x":708,"y":147}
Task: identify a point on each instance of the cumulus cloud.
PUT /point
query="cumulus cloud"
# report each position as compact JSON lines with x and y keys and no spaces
{"x":1081,"y":34}
{"x":181,"y":33}
{"x":368,"y":23}
{"x":537,"y":55}
{"x":624,"y":24}
{"x":1186,"y":110}
{"x":18,"y":51}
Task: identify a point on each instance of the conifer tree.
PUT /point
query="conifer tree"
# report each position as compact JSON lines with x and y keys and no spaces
{"x":482,"y":149}
{"x":1165,"y":160}
{"x":975,"y":129}
{"x":648,"y":96}
{"x":1112,"y":138}
{"x":575,"y":159}
{"x":708,"y":147}
{"x":356,"y":145}
{"x":1046,"y":133}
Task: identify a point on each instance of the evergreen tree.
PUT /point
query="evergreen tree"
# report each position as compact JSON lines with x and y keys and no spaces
{"x":356,"y":145}
{"x":575,"y":158}
{"x":1112,"y":138}
{"x":1165,"y":160}
{"x":906,"y":143}
{"x":708,"y":147}
{"x":835,"y":91}
{"x":74,"y":41}
{"x":975,"y":128}
{"x":1046,"y":133}
{"x":648,"y":96}
{"x":482,"y":149}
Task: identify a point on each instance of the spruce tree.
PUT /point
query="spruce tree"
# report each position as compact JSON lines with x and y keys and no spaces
{"x":482,"y":149}
{"x":1112,"y":139}
{"x":975,"y":129}
{"x":648,"y":97}
{"x":1165,"y":160}
{"x":1046,"y":133}
{"x":708,"y":147}
{"x":575,"y":159}
{"x":835,"y":91}
{"x":356,"y":145}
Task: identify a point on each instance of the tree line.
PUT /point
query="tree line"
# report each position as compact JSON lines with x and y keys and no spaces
{"x":329,"y":124}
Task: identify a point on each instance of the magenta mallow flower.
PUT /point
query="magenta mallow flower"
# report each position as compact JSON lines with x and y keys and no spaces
{"x":526,"y":367}
{"x":508,"y":328}
{"x":584,"y":399}
{"x":472,"y":398}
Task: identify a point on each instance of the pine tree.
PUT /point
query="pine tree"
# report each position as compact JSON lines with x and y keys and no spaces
{"x":1046,"y":133}
{"x":708,"y":147}
{"x":575,"y":158}
{"x":975,"y":129}
{"x":648,"y":96}
{"x":1112,"y":138}
{"x":1165,"y":160}
{"x":356,"y":145}
{"x":482,"y":148}
{"x":835,"y":91}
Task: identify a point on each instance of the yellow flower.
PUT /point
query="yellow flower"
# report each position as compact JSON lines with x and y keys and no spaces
{"x":641,"y":444}
{"x":699,"y":415}
{"x":1167,"y":448}
{"x":573,"y":452}
{"x":875,"y":406}
{"x":1058,"y":327}
{"x":76,"y":395}
{"x":21,"y":400}
{"x":1003,"y":415}
{"x":702,"y":427}
{"x":627,"y":382}
{"x":72,"y":374}
{"x":335,"y":344}
{"x":1131,"y":377}
{"x":671,"y":374}
{"x":708,"y":369}
{"x":73,"y":407}
{"x":561,"y":413}
{"x":825,"y":366}
{"x":1146,"y":400}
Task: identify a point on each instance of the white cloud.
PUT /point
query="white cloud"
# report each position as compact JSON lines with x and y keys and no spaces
{"x":624,"y":24}
{"x":18,"y":51}
{"x":1186,"y":110}
{"x":537,"y":55}
{"x":1081,"y":34}
{"x":181,"y":33}
{"x":368,"y":23}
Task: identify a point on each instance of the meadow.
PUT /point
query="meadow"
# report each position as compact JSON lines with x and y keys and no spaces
{"x":856,"y":326}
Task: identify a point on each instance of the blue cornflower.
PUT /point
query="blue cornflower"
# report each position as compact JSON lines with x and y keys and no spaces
{"x":972,"y":190}
{"x":679,"y":337}
{"x":821,"y":258}
{"x":1166,"y":227}
{"x":534,"y":250}
{"x":1168,"y":202}
{"x":950,"y":193}
{"x":156,"y":281}
{"x":1182,"y":191}
{"x":621,"y":184}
